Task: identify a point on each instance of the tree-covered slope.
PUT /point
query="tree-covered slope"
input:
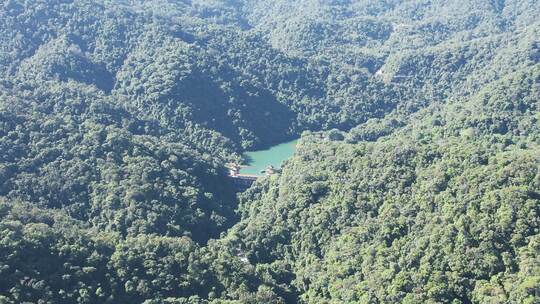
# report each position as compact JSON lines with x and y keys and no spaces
{"x":445,"y":210}
{"x":217,"y":65}
{"x":67,"y":147}
{"x":180,"y":66}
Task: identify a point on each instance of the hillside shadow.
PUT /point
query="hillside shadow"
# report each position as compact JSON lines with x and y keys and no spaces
{"x":245,"y":113}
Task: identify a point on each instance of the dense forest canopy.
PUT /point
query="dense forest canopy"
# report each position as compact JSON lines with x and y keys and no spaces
{"x":416,"y":178}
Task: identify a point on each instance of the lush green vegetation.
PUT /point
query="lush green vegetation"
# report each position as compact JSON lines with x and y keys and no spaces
{"x":416,"y":179}
{"x":447,"y":210}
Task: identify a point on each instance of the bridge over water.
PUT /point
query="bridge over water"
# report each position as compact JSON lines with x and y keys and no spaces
{"x":244,"y":181}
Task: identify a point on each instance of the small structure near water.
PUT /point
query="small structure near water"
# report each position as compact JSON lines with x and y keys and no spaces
{"x":244,"y":181}
{"x":270,"y":170}
{"x":241,"y":181}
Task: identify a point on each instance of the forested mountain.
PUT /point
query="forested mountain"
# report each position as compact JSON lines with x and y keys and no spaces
{"x":445,"y":211}
{"x":416,"y":178}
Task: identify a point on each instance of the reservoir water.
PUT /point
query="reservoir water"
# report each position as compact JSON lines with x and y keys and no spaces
{"x":257,"y":161}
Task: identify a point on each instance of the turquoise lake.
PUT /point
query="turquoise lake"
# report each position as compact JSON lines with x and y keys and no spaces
{"x":259,"y":160}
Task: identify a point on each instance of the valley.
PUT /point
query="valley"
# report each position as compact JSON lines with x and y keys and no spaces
{"x":135,"y":138}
